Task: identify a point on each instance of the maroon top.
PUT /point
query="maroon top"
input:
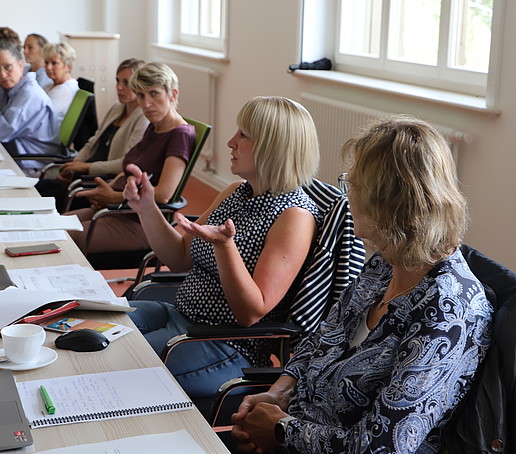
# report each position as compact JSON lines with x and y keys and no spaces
{"x":149,"y":154}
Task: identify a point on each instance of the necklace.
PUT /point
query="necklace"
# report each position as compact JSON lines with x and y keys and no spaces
{"x":383,"y":302}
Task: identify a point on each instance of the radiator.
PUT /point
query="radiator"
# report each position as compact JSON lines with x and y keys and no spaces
{"x":197,"y":98}
{"x":337,"y":121}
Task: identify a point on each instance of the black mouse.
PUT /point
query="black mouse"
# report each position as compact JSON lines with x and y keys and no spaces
{"x":82,"y":340}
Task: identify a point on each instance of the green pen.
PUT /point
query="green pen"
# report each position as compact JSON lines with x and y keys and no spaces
{"x":16,"y":212}
{"x":48,"y":402}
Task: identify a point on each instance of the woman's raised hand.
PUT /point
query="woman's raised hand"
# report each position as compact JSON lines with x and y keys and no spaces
{"x":138,"y":190}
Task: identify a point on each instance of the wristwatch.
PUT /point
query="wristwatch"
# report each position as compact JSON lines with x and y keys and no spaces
{"x":280,"y":429}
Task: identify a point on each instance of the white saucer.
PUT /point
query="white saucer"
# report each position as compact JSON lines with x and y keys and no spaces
{"x":46,"y":357}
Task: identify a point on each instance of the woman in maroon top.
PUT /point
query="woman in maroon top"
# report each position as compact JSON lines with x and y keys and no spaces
{"x":164,"y":152}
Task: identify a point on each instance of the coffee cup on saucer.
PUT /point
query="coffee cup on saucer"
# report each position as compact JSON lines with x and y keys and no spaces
{"x":22,"y":343}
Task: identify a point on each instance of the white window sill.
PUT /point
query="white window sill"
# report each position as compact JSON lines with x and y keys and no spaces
{"x":469,"y":102}
{"x":197,"y":51}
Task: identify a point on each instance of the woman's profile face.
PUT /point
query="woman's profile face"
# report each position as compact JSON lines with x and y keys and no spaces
{"x":124,"y":92}
{"x":32,"y":50}
{"x":155,"y":102}
{"x":361,"y":220}
{"x":56,"y":69}
{"x":242,"y":156}
{"x":11,"y":70}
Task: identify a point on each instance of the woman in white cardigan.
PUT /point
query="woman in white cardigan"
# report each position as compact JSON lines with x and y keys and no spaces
{"x":121,"y":129}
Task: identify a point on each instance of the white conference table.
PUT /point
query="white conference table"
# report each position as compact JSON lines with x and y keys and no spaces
{"x":129,"y":352}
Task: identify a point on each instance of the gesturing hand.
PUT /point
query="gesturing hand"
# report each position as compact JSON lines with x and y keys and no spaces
{"x":218,"y":235}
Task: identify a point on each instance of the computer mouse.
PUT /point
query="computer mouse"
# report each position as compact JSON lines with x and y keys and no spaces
{"x":82,"y":340}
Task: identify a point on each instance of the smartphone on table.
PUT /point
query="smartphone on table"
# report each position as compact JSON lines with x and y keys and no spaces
{"x":33,"y":249}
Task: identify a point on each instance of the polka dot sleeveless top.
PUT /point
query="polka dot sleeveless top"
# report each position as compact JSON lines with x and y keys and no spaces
{"x":201,"y":297}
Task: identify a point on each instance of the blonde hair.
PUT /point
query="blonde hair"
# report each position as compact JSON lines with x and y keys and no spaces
{"x":404,"y":175}
{"x":155,"y":74}
{"x":64,"y":50}
{"x":285,"y":144}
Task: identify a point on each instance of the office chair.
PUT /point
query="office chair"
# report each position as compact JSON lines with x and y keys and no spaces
{"x":484,"y":422}
{"x":68,"y":130}
{"x":90,"y":123}
{"x":132,"y":258}
{"x":337,"y":258}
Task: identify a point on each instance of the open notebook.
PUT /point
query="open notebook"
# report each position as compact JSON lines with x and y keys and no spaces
{"x":106,"y":395}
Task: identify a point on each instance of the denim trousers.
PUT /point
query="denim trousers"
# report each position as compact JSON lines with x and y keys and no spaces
{"x":199,"y":367}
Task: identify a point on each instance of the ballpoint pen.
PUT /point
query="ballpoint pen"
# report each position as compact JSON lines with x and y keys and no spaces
{"x":123,"y":202}
{"x":49,"y":406}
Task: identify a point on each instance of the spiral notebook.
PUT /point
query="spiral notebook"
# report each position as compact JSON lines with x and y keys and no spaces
{"x":106,"y":395}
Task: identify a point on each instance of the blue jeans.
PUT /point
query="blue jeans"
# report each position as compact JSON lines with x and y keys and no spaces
{"x":199,"y":367}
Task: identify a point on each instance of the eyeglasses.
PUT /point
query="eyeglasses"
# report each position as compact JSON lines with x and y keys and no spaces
{"x":344,"y":183}
{"x":8,"y":69}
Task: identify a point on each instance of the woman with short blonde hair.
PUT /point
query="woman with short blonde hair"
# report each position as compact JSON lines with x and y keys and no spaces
{"x":243,"y":253}
{"x":155,"y":74}
{"x":286,"y":148}
{"x":59,"y":58}
{"x":400,"y":160}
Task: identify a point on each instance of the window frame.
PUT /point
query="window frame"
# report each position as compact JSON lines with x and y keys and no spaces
{"x":460,"y":81}
{"x":168,"y":34}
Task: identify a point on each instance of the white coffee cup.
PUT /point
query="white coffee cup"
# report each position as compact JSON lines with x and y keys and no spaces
{"x":22,"y":343}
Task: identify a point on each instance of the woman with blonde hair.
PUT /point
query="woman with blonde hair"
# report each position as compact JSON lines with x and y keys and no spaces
{"x":243,"y":254}
{"x":400,"y":349}
{"x":59,"y":58}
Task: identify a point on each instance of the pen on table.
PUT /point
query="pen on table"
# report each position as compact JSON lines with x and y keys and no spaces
{"x":49,"y":406}
{"x":16,"y":212}
{"x":123,"y":202}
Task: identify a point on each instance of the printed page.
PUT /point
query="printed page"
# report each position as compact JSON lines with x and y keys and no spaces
{"x":28,"y":205}
{"x":180,"y":442}
{"x":83,"y":283}
{"x":22,"y":236}
{"x":39,"y":222}
{"x":15,"y":182}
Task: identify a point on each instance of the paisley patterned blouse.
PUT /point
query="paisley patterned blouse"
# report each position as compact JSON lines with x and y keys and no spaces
{"x":394,"y":392}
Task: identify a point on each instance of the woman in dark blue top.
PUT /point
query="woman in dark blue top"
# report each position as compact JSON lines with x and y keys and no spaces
{"x":397,"y":353}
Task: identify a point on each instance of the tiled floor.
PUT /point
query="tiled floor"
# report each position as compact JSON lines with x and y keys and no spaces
{"x":199,"y":197}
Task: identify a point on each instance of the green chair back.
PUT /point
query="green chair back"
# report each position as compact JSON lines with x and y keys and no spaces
{"x":202,"y":130}
{"x":74,"y":117}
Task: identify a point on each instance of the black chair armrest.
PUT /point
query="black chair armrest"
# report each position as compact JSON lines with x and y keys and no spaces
{"x":232,"y":331}
{"x":262,"y":374}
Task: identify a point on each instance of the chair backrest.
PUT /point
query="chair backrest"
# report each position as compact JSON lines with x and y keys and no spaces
{"x":485,"y":421}
{"x":202,"y":130}
{"x":89,"y":124}
{"x":337,"y":258}
{"x":74,"y":117}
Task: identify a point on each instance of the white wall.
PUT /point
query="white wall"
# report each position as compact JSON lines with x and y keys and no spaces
{"x":263,"y":42}
{"x":51,"y":17}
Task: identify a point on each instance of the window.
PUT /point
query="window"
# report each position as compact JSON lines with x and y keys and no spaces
{"x":438,"y":43}
{"x":192,"y":23}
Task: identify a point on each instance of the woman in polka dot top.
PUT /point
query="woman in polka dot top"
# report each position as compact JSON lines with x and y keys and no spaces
{"x":244,"y":253}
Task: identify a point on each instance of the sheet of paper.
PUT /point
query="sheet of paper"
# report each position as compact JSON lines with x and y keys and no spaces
{"x":15,"y":181}
{"x":32,"y":235}
{"x":179,"y":442}
{"x":6,"y":171}
{"x":15,"y":303}
{"x":39,"y":222}
{"x":30,"y":205}
{"x":79,"y":281}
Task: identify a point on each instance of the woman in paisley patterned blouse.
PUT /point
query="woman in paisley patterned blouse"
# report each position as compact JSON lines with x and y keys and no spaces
{"x":243,"y":254}
{"x":397,"y":353}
